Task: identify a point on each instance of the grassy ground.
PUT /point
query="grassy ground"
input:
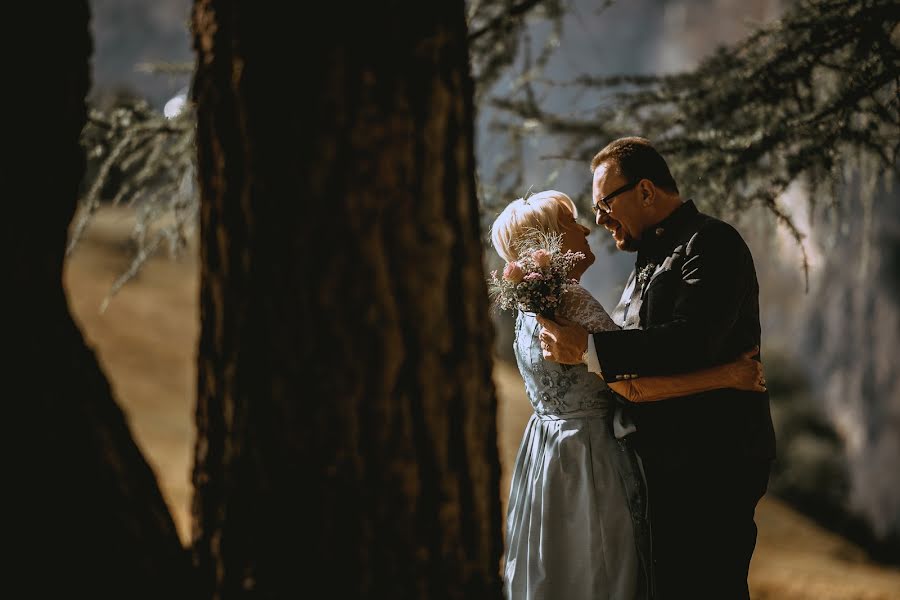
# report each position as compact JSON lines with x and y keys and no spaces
{"x":146,"y":341}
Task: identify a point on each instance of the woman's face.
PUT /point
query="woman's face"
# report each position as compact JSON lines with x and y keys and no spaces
{"x":575,"y":239}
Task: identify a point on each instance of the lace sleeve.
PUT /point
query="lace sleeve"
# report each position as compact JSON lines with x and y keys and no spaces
{"x":578,"y":305}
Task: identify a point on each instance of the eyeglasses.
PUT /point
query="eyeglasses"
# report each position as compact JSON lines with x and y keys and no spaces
{"x":603,"y":203}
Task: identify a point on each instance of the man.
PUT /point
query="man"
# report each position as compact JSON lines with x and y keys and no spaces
{"x":692,"y":301}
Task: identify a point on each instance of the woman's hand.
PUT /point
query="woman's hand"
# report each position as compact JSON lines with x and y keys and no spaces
{"x":562,"y":341}
{"x":747,"y":373}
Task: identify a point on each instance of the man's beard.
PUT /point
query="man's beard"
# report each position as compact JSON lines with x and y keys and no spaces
{"x":629,"y":244}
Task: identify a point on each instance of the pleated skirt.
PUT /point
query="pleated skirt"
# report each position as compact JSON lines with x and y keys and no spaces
{"x":571,"y":531}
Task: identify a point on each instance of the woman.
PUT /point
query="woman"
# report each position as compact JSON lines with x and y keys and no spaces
{"x":577,"y":522}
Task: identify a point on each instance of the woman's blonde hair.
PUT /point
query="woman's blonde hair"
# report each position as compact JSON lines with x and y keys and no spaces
{"x":538,"y":211}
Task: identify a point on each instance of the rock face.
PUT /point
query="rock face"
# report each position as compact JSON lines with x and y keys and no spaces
{"x":830,"y":357}
{"x":852,"y":339}
{"x":130,"y":32}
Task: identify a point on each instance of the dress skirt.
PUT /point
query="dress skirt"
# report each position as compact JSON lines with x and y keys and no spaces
{"x":576,"y":520}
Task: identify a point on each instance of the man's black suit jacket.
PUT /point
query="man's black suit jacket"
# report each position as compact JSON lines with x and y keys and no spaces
{"x":695,"y":298}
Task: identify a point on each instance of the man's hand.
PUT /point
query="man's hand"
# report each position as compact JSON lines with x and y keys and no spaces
{"x":563,"y":341}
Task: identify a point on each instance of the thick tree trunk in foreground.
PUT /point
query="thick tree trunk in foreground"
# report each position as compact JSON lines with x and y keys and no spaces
{"x":92,"y":520}
{"x":346,"y":409}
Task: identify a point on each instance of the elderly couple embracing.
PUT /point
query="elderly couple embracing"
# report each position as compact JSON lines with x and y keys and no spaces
{"x":651,"y":440}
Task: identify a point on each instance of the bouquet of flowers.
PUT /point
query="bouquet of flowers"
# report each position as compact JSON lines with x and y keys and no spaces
{"x":536,"y":281}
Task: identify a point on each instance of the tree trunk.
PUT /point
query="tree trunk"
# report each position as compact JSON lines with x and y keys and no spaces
{"x":92,"y":520}
{"x":345,"y":404}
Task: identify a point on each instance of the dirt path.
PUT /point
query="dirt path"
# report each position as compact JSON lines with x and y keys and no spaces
{"x":146,"y":342}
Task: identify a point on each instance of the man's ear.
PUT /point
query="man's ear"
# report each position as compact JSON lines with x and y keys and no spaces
{"x":647,"y":191}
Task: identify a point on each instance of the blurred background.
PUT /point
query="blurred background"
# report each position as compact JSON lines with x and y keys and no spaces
{"x":830,"y":525}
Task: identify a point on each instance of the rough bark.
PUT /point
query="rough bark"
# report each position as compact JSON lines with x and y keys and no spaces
{"x":346,"y":412}
{"x":90,"y":516}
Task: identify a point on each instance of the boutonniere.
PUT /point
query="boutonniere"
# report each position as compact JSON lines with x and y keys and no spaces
{"x":645,"y":273}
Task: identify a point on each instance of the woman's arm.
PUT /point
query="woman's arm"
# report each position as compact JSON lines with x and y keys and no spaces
{"x":743,"y":374}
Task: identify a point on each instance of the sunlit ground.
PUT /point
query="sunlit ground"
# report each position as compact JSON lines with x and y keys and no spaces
{"x":146,"y":341}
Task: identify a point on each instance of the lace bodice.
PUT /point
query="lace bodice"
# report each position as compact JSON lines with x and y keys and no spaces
{"x":556,"y":389}
{"x":578,"y":305}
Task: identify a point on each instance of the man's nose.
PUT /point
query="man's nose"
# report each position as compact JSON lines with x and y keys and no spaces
{"x":602,"y":218}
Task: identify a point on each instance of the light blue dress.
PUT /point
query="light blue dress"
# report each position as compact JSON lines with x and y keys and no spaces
{"x":577,"y":525}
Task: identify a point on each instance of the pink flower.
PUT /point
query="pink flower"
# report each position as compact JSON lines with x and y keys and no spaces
{"x":513,"y":272}
{"x":541,"y":258}
{"x":534,"y":276}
